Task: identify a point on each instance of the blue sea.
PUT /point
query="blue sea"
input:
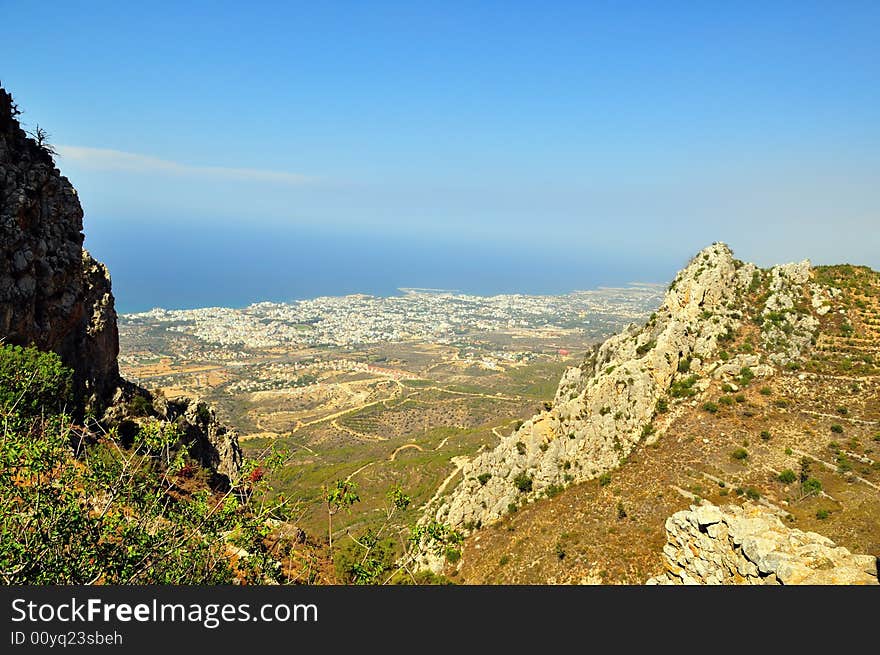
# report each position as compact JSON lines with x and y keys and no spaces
{"x":182,"y":267}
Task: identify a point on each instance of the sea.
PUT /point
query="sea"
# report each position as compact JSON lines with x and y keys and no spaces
{"x":178,"y":267}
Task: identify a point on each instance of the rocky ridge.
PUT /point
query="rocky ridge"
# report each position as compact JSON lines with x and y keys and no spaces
{"x":628,"y":390}
{"x":751,"y":545}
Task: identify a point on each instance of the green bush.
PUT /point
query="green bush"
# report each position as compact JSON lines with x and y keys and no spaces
{"x":726,"y":400}
{"x":523,"y":482}
{"x":87,"y":509}
{"x":484,"y":478}
{"x":765,"y":435}
{"x":740,"y":454}
{"x":684,"y":365}
{"x":33,"y":382}
{"x":752,"y":493}
{"x":787,"y":476}
{"x":837,"y":428}
{"x":683,"y":388}
{"x":605,"y":479}
{"x":710,"y":407}
{"x":822,"y":514}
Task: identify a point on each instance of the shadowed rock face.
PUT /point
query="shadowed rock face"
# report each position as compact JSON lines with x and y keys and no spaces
{"x":53,"y":294}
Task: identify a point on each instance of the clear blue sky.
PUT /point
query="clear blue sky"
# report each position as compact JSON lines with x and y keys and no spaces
{"x":627,"y":128}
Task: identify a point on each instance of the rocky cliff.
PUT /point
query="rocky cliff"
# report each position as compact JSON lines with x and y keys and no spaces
{"x":751,"y":545}
{"x":53,"y":294}
{"x":56,"y":296}
{"x":630,"y":388}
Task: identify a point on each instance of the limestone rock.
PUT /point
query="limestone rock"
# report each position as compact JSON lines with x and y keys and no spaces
{"x":606,"y":406}
{"x":751,"y":545}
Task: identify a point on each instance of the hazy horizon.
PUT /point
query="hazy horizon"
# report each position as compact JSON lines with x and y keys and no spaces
{"x":625,"y":138}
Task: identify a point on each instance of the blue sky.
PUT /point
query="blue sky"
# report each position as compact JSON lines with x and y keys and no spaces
{"x":622,"y":128}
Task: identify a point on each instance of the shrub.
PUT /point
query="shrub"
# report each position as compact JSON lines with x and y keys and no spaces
{"x":822,"y":514}
{"x":787,"y":476}
{"x":663,"y":406}
{"x":765,"y":435}
{"x":520,"y":448}
{"x":684,"y":365}
{"x":837,"y":428}
{"x":843,"y":411}
{"x":145,"y":530}
{"x":511,"y":508}
{"x":523,"y":482}
{"x":453,"y":555}
{"x":621,"y":511}
{"x":726,"y":400}
{"x":811,"y":486}
{"x":484,"y":478}
{"x":710,"y":407}
{"x":752,"y":493}
{"x":746,"y":375}
{"x":32,"y":381}
{"x":765,"y":391}
{"x":683,"y":388}
{"x":605,"y":479}
{"x":740,"y":454}
{"x":740,"y":398}
{"x":645,"y":347}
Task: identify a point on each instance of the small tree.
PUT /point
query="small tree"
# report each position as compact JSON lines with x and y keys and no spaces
{"x":41,"y":136}
{"x":342,"y":495}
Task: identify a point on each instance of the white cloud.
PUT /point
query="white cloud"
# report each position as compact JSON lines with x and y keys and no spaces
{"x":117,"y":160}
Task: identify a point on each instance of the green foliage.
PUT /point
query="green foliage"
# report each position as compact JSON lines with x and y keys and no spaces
{"x":662,"y":406}
{"x":822,"y":514}
{"x":725,"y":400}
{"x":740,"y":454}
{"x":765,"y":391}
{"x":621,"y":511}
{"x":523,"y":482}
{"x":710,"y":407}
{"x":765,"y":435}
{"x":684,"y":365}
{"x":76,"y":508}
{"x":752,"y":493}
{"x":683,"y":388}
{"x":32,"y":382}
{"x":645,"y":347}
{"x":484,"y":478}
{"x":746,"y":375}
{"x":520,"y":448}
{"x":605,"y":479}
{"x":787,"y":476}
{"x":837,"y":428}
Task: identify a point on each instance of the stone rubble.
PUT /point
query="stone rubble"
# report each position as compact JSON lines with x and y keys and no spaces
{"x":751,"y":545}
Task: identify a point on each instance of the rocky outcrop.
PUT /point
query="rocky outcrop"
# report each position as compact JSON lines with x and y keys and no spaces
{"x":53,"y":294}
{"x":603,"y":408}
{"x":787,"y":322}
{"x":751,"y":545}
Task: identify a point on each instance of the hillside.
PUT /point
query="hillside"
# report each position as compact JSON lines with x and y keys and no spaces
{"x":102,"y":481}
{"x":747,"y":385}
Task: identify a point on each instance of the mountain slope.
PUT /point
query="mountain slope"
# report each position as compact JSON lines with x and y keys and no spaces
{"x":736,"y":359}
